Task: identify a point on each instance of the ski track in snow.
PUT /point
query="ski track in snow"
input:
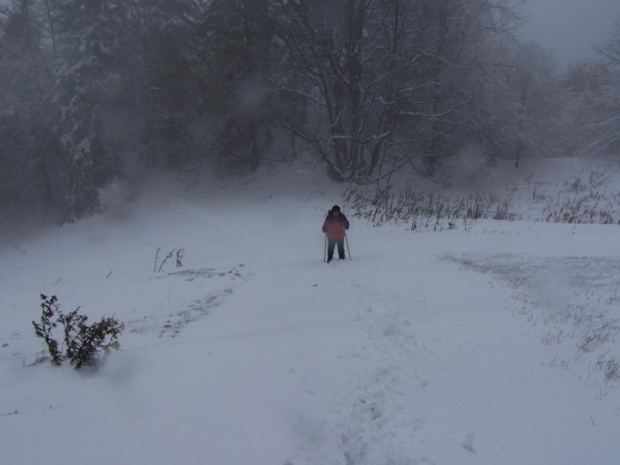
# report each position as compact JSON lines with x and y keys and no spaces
{"x":414,"y":336}
{"x":380,"y":419}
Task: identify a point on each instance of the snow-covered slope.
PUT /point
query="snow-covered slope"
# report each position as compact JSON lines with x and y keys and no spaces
{"x":491,"y":344}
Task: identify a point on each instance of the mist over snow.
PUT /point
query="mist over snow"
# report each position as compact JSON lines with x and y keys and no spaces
{"x":464,"y":342}
{"x":468,"y":169}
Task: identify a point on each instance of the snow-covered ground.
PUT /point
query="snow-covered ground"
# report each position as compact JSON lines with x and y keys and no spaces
{"x":492,"y":343}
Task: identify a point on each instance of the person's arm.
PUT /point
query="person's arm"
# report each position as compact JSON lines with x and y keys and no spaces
{"x":346,"y":222}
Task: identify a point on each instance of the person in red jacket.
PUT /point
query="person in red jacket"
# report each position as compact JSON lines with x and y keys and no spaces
{"x":335,"y":226}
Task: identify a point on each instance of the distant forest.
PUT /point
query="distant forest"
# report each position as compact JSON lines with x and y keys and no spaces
{"x":91,"y":90}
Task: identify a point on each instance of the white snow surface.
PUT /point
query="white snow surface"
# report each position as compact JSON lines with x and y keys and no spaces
{"x":479,"y":345}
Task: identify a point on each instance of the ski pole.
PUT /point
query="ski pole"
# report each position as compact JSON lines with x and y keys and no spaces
{"x":325,"y":249}
{"x":346,"y":239}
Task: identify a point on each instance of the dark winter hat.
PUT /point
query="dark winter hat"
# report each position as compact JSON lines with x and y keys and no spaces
{"x":336,"y":208}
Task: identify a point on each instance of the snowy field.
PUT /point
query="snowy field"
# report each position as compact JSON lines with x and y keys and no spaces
{"x":490,"y":342}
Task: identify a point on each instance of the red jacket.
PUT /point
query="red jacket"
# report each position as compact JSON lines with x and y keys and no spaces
{"x":335,"y":226}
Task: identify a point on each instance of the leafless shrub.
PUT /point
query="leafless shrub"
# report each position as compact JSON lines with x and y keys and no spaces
{"x":591,"y":341}
{"x":539,"y":196}
{"x":50,"y":318}
{"x":580,"y":200}
{"x":177,"y":253}
{"x":84,"y":344}
{"x":575,"y":185}
{"x":553,"y":337}
{"x":581,"y":204}
{"x":425,"y":210}
{"x":502,"y":211}
{"x":609,"y":367}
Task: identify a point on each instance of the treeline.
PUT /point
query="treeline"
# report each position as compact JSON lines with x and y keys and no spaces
{"x":90,"y":89}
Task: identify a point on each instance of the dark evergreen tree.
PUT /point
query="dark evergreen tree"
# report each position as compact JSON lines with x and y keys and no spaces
{"x":169,"y":96}
{"x":28,"y":148}
{"x":90,"y":39}
{"x":237,"y":37}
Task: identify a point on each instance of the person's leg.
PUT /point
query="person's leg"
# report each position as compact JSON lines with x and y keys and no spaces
{"x":330,"y":249}
{"x":341,"y":249}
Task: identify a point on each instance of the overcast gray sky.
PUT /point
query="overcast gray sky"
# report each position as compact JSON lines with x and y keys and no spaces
{"x":570,"y":27}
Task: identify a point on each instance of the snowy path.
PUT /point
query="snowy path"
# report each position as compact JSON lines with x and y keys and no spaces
{"x":257,"y":352}
{"x":442,"y":380}
{"x":394,"y":367}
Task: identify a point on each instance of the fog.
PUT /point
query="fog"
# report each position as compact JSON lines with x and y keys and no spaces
{"x":92,"y":94}
{"x":571,"y":28}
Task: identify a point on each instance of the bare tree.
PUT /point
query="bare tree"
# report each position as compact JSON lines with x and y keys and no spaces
{"x":595,"y":92}
{"x":380,"y":77}
{"x":611,"y":49}
{"x":535,"y":101}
